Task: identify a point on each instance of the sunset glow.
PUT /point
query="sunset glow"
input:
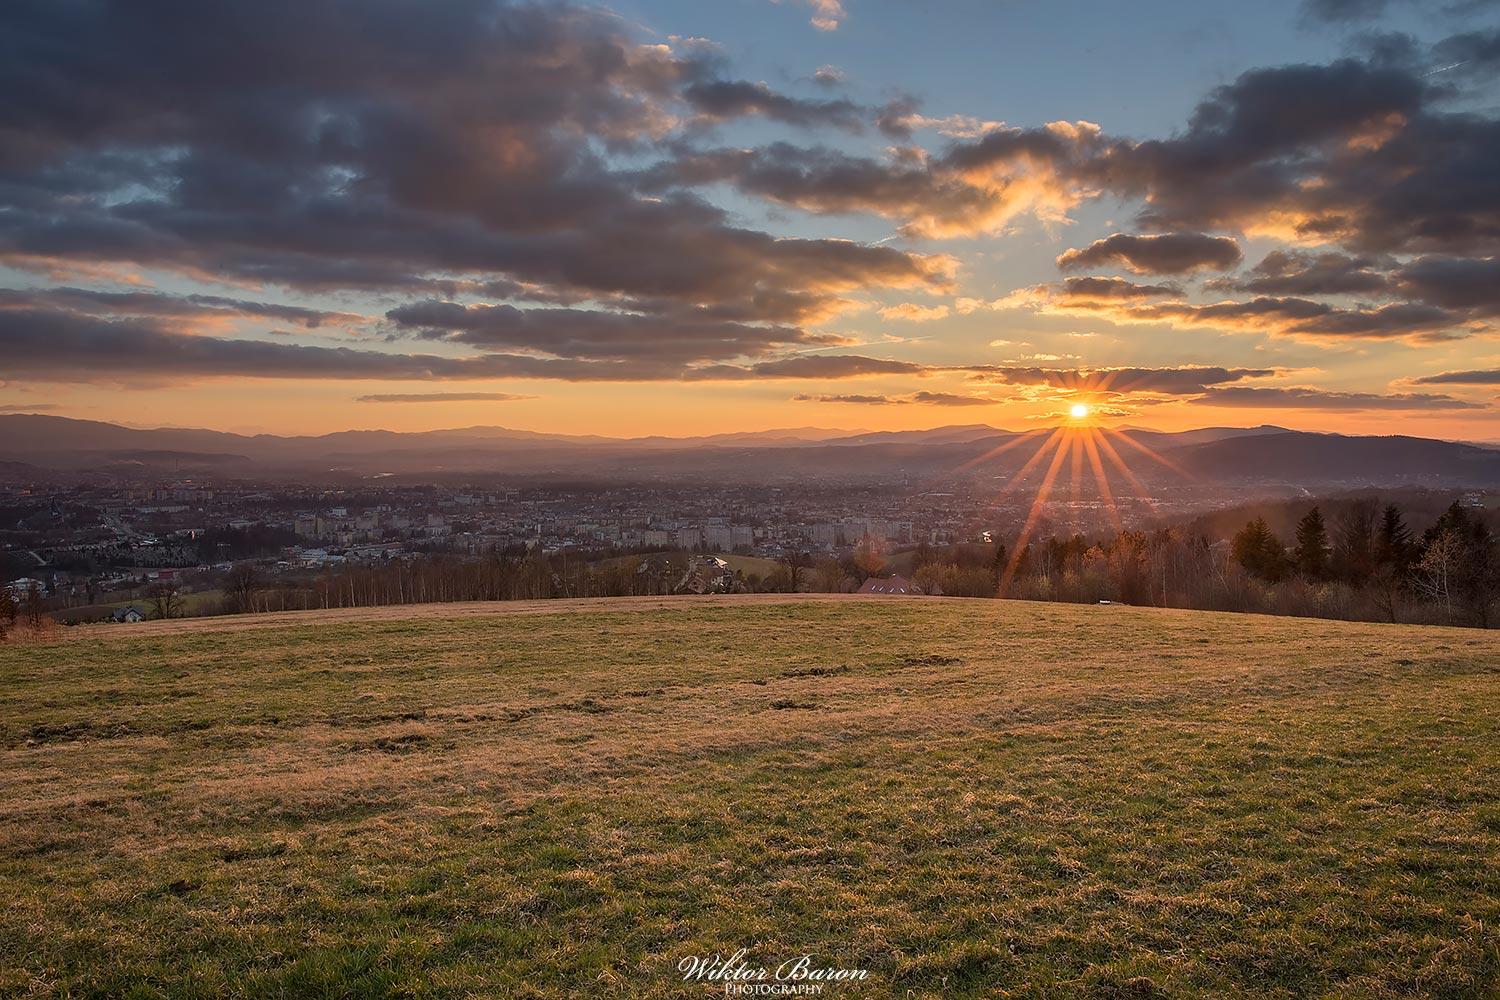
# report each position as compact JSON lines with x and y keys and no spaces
{"x":721,"y":217}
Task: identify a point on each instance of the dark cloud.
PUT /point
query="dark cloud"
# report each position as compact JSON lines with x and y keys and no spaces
{"x":1292,"y":316}
{"x":70,"y":347}
{"x":1461,"y":283}
{"x":1353,"y":152}
{"x":1326,"y":399}
{"x":721,"y":99}
{"x":1296,"y":272}
{"x":392,"y":146}
{"x":950,"y":399}
{"x":1167,"y":253}
{"x":1114,"y":288}
{"x":1473,"y":54}
{"x":898,"y":118}
{"x":1490,"y":377}
{"x":829,"y":182}
{"x":830,"y":366}
{"x":976,"y":186}
{"x":1342,"y":11}
{"x":60,"y":346}
{"x":471,"y":149}
{"x":1356,"y":13}
{"x":440,"y":397}
{"x":1363,"y":153}
{"x":1169,"y":381}
{"x":1404,"y":319}
{"x":918,"y":398}
{"x":158,"y":304}
{"x":863,"y":400}
{"x":583,"y":333}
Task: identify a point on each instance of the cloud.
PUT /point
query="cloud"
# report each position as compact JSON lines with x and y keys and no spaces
{"x":1088,"y":293}
{"x":1361,"y":153}
{"x":440,"y":397}
{"x":28,"y":407}
{"x":193,"y":309}
{"x":827,"y":15}
{"x":1342,"y":11}
{"x":912,"y":312}
{"x":901,"y":117}
{"x":59,"y":346}
{"x":1356,"y":153}
{"x":829,"y":366}
{"x":1186,"y":380}
{"x":595,"y":334}
{"x":828,"y":76}
{"x":951,"y":399}
{"x":1288,"y":316}
{"x":1296,"y":272}
{"x":1105,"y":289}
{"x":977,"y":186}
{"x":1490,"y":377}
{"x":1168,"y":253}
{"x":919,"y":398}
{"x":1471,"y":284}
{"x":393,"y":148}
{"x":723,"y":99}
{"x":1325,"y":399}
{"x":456,"y":162}
{"x":848,"y":398}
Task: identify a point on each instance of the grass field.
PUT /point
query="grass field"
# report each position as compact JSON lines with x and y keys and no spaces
{"x":983,"y":798}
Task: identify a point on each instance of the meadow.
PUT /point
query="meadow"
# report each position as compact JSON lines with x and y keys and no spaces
{"x":566,"y":799}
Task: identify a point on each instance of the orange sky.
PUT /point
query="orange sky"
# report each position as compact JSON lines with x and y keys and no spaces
{"x":666,"y":224}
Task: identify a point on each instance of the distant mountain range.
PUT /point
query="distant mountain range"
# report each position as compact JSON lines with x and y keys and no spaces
{"x":33,"y":445}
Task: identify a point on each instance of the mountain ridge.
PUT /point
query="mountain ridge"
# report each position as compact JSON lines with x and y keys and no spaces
{"x":1265,"y":453}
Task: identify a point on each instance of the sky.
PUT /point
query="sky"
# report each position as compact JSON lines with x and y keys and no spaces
{"x":685,"y":217}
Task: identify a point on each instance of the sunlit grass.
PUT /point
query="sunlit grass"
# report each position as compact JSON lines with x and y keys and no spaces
{"x":967,"y":798}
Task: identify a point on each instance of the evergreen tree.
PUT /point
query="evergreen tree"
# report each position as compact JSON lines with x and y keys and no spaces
{"x":1455,"y":519}
{"x":1258,"y":550}
{"x":1393,"y":540}
{"x":1311,"y":553}
{"x":1355,"y":531}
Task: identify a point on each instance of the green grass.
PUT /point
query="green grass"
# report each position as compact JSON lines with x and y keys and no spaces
{"x":985,"y":798}
{"x":750,"y":564}
{"x":196,"y":602}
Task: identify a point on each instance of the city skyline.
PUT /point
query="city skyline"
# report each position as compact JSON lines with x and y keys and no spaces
{"x":686,"y":219}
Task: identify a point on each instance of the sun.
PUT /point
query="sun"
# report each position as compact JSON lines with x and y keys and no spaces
{"x":1078,"y":411}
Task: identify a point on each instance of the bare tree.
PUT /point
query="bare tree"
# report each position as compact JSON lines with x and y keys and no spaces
{"x":32,"y":605}
{"x":165,"y":599}
{"x":1438,"y":569}
{"x":795,"y":565}
{"x":1386,"y":586}
{"x":242,"y":587}
{"x":828,"y":576}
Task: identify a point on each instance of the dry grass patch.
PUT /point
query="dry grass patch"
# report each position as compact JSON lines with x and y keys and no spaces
{"x":967,"y":798}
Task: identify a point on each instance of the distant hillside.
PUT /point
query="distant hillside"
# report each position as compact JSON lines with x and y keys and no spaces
{"x":1302,"y":457}
{"x":1214,"y":455}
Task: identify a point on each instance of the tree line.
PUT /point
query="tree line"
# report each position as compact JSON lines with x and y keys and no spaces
{"x":1451,"y":572}
{"x":1362,"y":564}
{"x":1365,"y":565}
